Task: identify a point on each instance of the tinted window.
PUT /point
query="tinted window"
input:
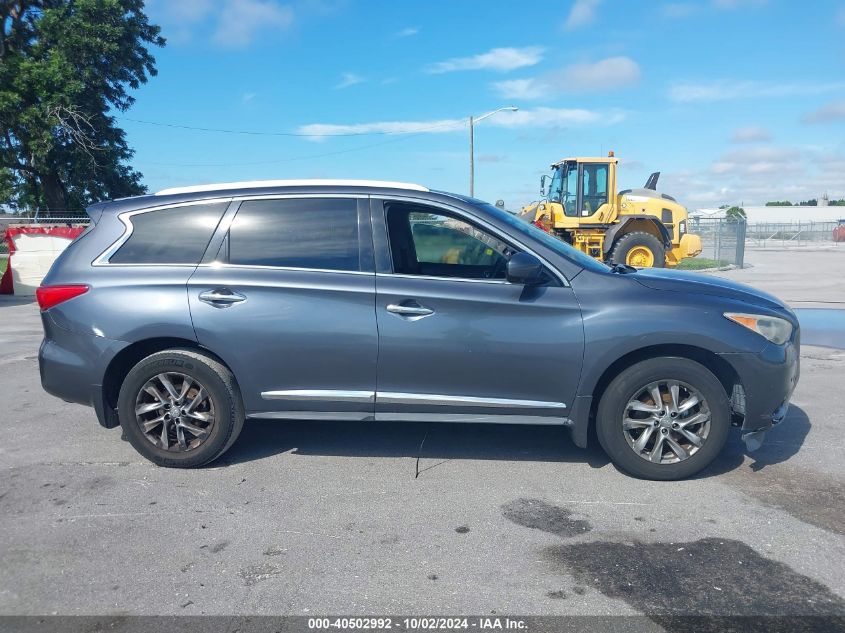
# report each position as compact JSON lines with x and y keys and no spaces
{"x":440,"y":245}
{"x":297,"y":233}
{"x":170,"y":236}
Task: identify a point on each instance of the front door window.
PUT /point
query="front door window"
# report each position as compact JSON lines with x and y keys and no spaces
{"x":442,"y":245}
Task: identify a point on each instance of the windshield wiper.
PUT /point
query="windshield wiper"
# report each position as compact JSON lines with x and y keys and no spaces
{"x":622,"y":268}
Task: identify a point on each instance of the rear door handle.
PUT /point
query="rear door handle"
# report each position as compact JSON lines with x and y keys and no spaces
{"x":418,"y":311}
{"x":221,"y":297}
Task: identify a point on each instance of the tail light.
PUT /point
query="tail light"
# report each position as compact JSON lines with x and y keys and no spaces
{"x":50,"y":296}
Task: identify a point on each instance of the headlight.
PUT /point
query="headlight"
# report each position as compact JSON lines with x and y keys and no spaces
{"x":682,"y":227}
{"x":773,"y":329}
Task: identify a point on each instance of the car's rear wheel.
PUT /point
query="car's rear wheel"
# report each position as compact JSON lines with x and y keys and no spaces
{"x":663,"y":418}
{"x":180,"y":408}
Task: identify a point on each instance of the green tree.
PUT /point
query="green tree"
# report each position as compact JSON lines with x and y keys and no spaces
{"x":779,"y":203}
{"x":65,"y":67}
{"x":735,"y":214}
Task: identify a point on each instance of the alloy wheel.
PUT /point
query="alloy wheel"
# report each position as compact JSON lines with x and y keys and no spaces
{"x":666,"y":422}
{"x":175,"y":412}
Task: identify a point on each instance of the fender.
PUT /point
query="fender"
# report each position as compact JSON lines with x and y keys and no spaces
{"x":610,"y":235}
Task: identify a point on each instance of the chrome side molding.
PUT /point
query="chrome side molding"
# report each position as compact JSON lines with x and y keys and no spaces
{"x":318,"y":395}
{"x":428,"y":399}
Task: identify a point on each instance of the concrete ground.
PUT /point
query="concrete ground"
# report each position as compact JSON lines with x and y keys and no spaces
{"x":308,"y":518}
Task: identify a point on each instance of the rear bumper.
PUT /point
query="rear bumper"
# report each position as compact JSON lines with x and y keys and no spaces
{"x":72,"y":365}
{"x":768,"y":380}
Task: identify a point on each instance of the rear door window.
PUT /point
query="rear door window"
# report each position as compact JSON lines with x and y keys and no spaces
{"x":313,"y":233}
{"x":178,"y":235}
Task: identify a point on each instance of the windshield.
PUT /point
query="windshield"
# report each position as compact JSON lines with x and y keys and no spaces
{"x":548,"y":240}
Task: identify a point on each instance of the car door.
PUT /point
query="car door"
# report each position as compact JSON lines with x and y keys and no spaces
{"x":287,"y":303}
{"x":457,"y":342}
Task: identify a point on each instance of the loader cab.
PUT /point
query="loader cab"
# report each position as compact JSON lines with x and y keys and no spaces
{"x":586,"y":190}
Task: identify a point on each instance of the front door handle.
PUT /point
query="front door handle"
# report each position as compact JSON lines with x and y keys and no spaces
{"x":411,"y":311}
{"x":221,"y":297}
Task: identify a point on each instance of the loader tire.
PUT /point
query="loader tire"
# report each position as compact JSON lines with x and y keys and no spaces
{"x":640,"y":250}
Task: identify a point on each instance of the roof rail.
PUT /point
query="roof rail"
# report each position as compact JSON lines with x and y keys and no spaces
{"x":256,"y":184}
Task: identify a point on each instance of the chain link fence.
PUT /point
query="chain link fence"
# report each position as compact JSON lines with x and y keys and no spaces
{"x":37,"y":220}
{"x":722,"y":241}
{"x":786,"y":234}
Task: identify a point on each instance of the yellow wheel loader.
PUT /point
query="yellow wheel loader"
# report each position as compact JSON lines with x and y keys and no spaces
{"x":638,"y":227}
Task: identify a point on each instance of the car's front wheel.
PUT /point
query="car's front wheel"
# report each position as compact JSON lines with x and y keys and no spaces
{"x":663,"y":418}
{"x":180,"y":408}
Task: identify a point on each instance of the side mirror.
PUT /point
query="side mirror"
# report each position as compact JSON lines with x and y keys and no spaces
{"x":525,"y":269}
{"x":543,"y":185}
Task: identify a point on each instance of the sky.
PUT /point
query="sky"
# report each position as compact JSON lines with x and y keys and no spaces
{"x":734,"y":101}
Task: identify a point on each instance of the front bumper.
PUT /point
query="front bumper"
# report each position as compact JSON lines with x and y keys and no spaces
{"x":768,"y":380}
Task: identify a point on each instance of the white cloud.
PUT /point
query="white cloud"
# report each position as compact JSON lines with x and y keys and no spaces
{"x":408,"y":31}
{"x":754,"y":160}
{"x":498,"y":59}
{"x":349,"y":79}
{"x":536,"y":117}
{"x":827,"y":114}
{"x":680,"y":9}
{"x":583,"y":12}
{"x":738,"y":4}
{"x":606,"y":74}
{"x":232,"y":23}
{"x":686,"y":9}
{"x":724,"y":90}
{"x":751,"y":134}
{"x":247,"y":97}
{"x":240,"y":20}
{"x":184,"y":10}
{"x":754,"y":176}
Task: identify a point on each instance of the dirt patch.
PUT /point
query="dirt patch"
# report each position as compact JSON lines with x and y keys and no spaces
{"x":539,"y":515}
{"x":711,"y":577}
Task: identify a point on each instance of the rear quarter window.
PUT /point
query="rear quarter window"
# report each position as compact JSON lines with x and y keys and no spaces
{"x":178,"y":235}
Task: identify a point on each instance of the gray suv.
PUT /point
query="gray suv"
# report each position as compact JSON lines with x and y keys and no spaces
{"x":178,"y":315}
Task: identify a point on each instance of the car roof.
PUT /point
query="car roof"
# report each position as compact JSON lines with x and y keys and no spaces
{"x":312,"y":182}
{"x":259,"y":188}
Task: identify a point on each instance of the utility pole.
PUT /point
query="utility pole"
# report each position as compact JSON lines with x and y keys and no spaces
{"x":472,"y":122}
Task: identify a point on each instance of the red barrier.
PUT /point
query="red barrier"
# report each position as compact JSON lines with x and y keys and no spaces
{"x":69,"y":232}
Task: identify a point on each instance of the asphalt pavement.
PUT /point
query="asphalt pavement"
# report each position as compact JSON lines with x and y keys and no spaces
{"x":308,"y":518}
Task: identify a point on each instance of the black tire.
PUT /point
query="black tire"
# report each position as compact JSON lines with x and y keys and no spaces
{"x":222,"y":390}
{"x":627,"y":243}
{"x":623,"y":388}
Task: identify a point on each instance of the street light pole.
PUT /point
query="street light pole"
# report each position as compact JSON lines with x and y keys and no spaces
{"x":472,"y":122}
{"x":471,"y":157}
